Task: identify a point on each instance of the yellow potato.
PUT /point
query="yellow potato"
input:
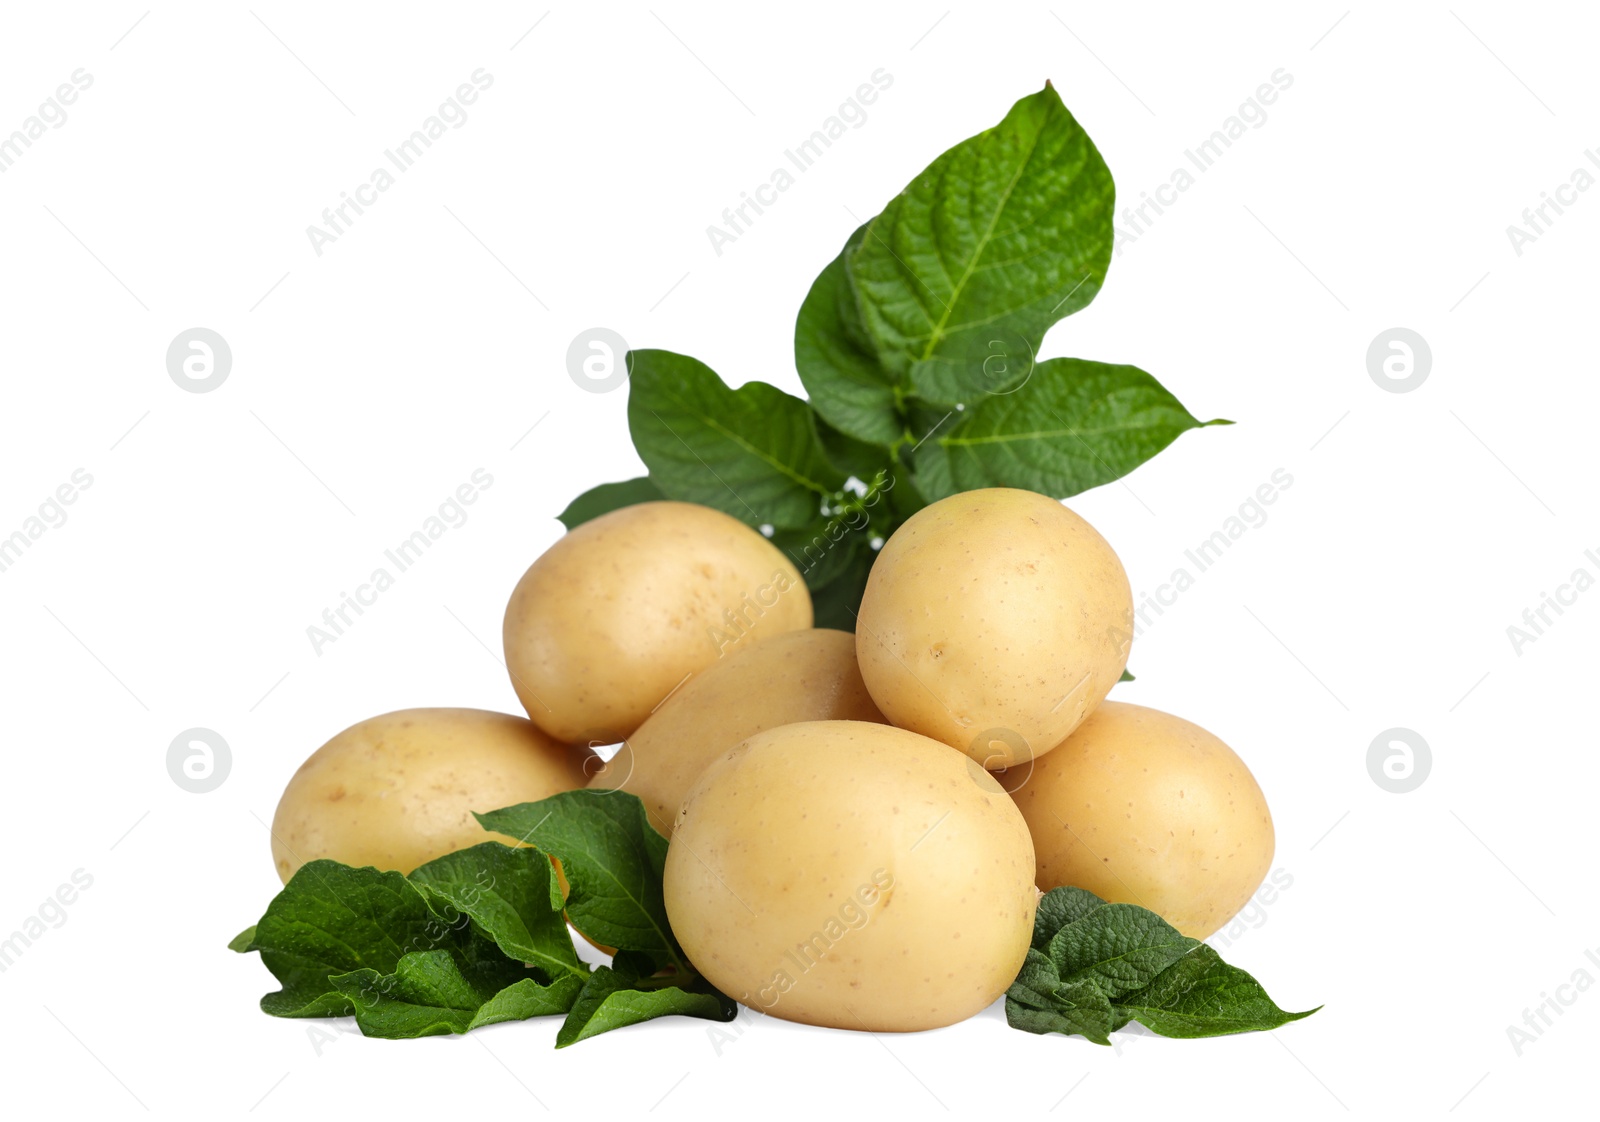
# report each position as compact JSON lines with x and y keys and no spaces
{"x":396,"y":791}
{"x":782,"y":680}
{"x":852,"y":875}
{"x":1141,"y":807}
{"x":615,"y":615}
{"x":995,"y":621}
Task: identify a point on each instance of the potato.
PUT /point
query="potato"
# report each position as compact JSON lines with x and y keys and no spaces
{"x":782,"y":680}
{"x":1141,"y":807}
{"x":396,"y":791}
{"x":615,"y":615}
{"x":852,"y":875}
{"x":995,"y":621}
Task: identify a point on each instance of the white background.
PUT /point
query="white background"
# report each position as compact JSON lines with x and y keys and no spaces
{"x":370,"y":381}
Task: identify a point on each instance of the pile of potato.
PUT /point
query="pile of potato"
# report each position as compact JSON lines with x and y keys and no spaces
{"x":859,"y":825}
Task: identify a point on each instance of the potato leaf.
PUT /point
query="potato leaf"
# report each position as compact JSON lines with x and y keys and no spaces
{"x":1069,"y":1008}
{"x":948,"y":293}
{"x":1095,"y":966}
{"x":477,"y":936}
{"x":849,"y":455}
{"x":848,"y":385}
{"x":437,"y":952}
{"x":331,"y":919}
{"x":613,"y":859}
{"x":613,"y":1000}
{"x":431,"y":993}
{"x":997,"y":239}
{"x":751,"y":452}
{"x":512,"y":897}
{"x":1073,"y":425}
{"x":1118,"y":947}
{"x":834,"y":604}
{"x":608,"y":497}
{"x":1037,"y":982}
{"x":822,"y":552}
{"x":1058,"y":908}
{"x":1201,"y":995}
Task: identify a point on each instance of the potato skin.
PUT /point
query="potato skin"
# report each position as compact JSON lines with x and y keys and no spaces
{"x":852,"y":875}
{"x":618,"y":612}
{"x":994,"y":609}
{"x":396,"y":791}
{"x":781,"y":680}
{"x":1141,"y":807}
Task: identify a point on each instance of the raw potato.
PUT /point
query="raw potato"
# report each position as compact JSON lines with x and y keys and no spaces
{"x":852,"y":875}
{"x":995,"y":621}
{"x":1141,"y":807}
{"x":396,"y":791}
{"x":613,"y":617}
{"x":782,"y":680}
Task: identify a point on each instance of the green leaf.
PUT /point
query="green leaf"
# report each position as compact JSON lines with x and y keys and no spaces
{"x":752,"y":453}
{"x":633,"y":965}
{"x":848,"y":386}
{"x":1201,"y":995}
{"x":609,"y":1001}
{"x":1037,"y":981}
{"x":1000,"y":237}
{"x":429,"y":993}
{"x":1077,"y":1008}
{"x":1074,"y":425}
{"x":331,"y":919}
{"x":836,"y":603}
{"x":1118,"y":947}
{"x":850,"y":456}
{"x":477,"y":936}
{"x":822,"y":551}
{"x":1095,"y":966}
{"x":904,"y":497}
{"x":511,"y":896}
{"x":948,"y":293}
{"x":613,"y":861}
{"x":1126,"y":677}
{"x":609,"y":497}
{"x":1058,"y":908}
{"x":527,"y":998}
